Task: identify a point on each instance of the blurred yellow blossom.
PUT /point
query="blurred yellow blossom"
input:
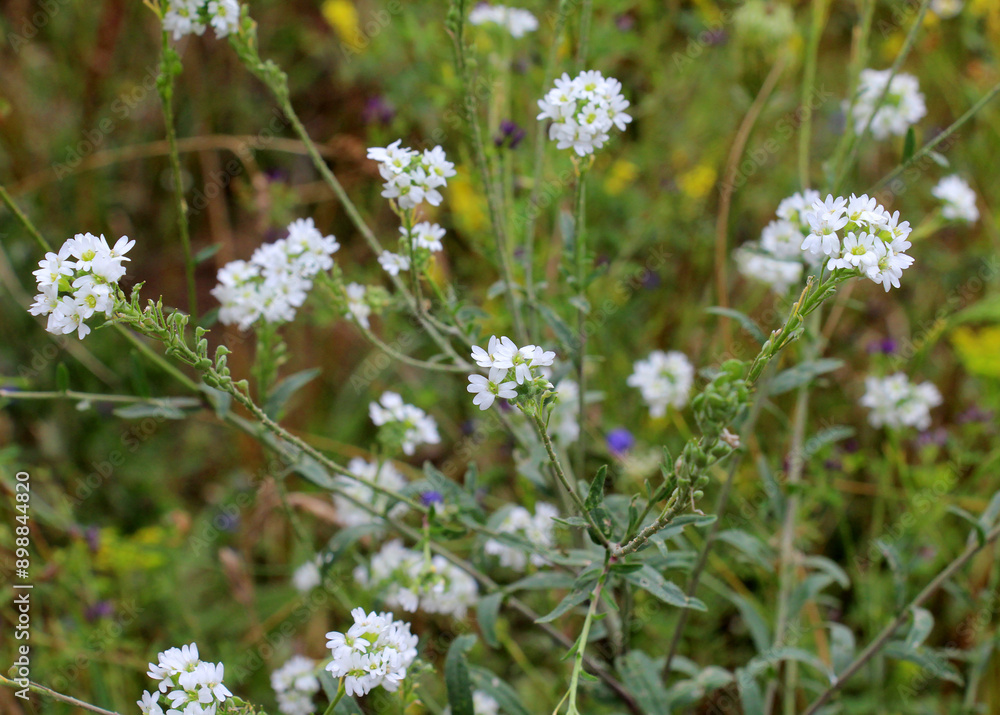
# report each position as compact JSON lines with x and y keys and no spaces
{"x":979,"y":350}
{"x":621,"y":174}
{"x":697,"y":182}
{"x":342,"y":16}
{"x":144,"y":550}
{"x":466,"y":203}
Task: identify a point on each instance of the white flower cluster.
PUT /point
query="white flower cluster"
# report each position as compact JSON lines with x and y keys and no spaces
{"x":537,"y":529}
{"x":777,"y":258}
{"x":664,"y":379}
{"x":72,"y":291}
{"x":412,"y":177}
{"x":903,"y":104}
{"x":375,"y":651}
{"x":583,"y":111}
{"x":417,"y":426}
{"x":192,"y":17}
{"x":510,"y":368}
{"x":482,"y":704}
{"x":958,"y":198}
{"x":406,"y":579}
{"x":874,"y":240}
{"x":276,"y":279}
{"x":426,"y":239}
{"x":896,"y":402}
{"x":358,"y":309}
{"x":348,"y":512}
{"x":188,"y":685}
{"x":295,"y":683}
{"x":516,"y":21}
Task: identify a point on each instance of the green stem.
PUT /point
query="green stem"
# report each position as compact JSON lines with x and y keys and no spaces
{"x":97,"y":397}
{"x":564,"y":481}
{"x":341,"y":690}
{"x":911,"y":38}
{"x":531,"y":210}
{"x":720,"y":507}
{"x":883,"y":637}
{"x":580,"y":246}
{"x":497,"y":218}
{"x":929,"y":146}
{"x":49,"y":693}
{"x":586,"y":14}
{"x":24,"y":221}
{"x":581,"y":644}
{"x":819,"y":14}
{"x":170,"y":67}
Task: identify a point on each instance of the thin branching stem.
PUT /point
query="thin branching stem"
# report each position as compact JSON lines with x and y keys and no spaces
{"x":883,"y":637}
{"x":50,"y":693}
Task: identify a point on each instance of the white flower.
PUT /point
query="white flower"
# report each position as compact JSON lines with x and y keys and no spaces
{"x":537,"y":529}
{"x":182,"y":18}
{"x":664,"y":379}
{"x":225,"y":16}
{"x":277,"y":279}
{"x":411,"y":177}
{"x":778,"y":273}
{"x":349,"y":513}
{"x":858,"y":252}
{"x":357,"y":308}
{"x":307,"y":576}
{"x":295,"y":683}
{"x":426,"y":235}
{"x":958,"y":198}
{"x":896,"y":402}
{"x":509,"y":367}
{"x":902,"y":107}
{"x":188,"y":685}
{"x":486,"y":391}
{"x":407,"y":579}
{"x":46,"y":301}
{"x":54,"y":266}
{"x":375,"y":651}
{"x":393,"y":263}
{"x":149,"y":705}
{"x":782,"y":239}
{"x":583,"y":111}
{"x":67,"y":317}
{"x":516,"y":21}
{"x":417,"y":426}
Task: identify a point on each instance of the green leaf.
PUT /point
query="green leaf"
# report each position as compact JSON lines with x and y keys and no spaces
{"x":563,"y":332}
{"x":923,"y":623}
{"x":451,"y":491}
{"x":807,"y":591}
{"x":650,"y":580}
{"x":977,"y":526}
{"x":579,"y":594}
{"x":931,"y":662}
{"x":742,"y":318}
{"x":344,"y":539}
{"x":207,"y":252}
{"x":829,"y":567}
{"x":842,"y":646}
{"x":831,"y":435}
{"x":456,"y":676}
{"x":284,"y":390}
{"x":751,"y":546}
{"x":543,"y":581}
{"x":751,"y":696}
{"x":506,"y":697}
{"x":641,"y":675}
{"x":596,"y":494}
{"x":169,"y":411}
{"x":763,"y":662}
{"x":802,"y":374}
{"x":909,"y":145}
{"x":760,"y":632}
{"x":487,"y":613}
